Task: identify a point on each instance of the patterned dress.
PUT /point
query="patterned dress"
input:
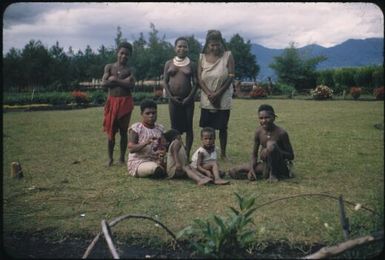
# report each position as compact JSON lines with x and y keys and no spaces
{"x":147,"y":154}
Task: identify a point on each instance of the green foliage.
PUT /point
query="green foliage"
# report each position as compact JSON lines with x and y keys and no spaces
{"x":285,"y":89}
{"x":342,"y":79}
{"x":326,"y":77}
{"x":98,"y":97}
{"x":246,"y":66}
{"x":296,"y":70}
{"x":220,"y":237}
{"x":378,"y":77}
{"x":140,"y":96}
{"x":54,"y":98}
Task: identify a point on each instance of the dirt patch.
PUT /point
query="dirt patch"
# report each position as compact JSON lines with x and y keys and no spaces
{"x":22,"y":245}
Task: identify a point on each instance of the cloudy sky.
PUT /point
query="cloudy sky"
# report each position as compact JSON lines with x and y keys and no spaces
{"x":273,"y":25}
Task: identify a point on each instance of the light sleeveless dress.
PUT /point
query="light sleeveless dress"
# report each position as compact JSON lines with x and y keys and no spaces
{"x":214,"y":74}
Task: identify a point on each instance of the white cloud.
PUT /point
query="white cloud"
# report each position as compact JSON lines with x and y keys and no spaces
{"x":273,"y":25}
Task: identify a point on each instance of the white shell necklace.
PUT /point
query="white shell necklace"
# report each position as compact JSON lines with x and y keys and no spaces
{"x":181,"y":62}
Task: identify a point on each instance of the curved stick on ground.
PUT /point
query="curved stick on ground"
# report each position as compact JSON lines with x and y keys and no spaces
{"x":326,"y":252}
{"x":107,"y":236}
{"x":116,"y":221}
{"x":91,"y":246}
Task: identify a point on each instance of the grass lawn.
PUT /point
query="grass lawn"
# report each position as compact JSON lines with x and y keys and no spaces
{"x":338,"y":151}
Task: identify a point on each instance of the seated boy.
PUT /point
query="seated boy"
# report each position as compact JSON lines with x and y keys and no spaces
{"x":205,"y":157}
{"x":275,"y":151}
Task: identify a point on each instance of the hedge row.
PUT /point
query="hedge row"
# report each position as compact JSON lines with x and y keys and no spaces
{"x":61,"y":98}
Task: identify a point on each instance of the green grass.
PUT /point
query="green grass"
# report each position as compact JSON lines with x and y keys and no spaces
{"x":64,"y":154}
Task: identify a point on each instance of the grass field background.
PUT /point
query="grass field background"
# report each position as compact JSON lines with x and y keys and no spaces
{"x":338,"y":151}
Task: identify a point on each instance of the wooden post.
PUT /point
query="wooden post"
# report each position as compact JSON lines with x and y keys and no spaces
{"x":343,"y":219}
{"x":16,"y":171}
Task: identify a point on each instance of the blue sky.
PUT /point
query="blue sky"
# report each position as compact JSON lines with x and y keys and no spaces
{"x":273,"y":25}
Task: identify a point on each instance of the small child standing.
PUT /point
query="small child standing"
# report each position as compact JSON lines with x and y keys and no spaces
{"x":177,"y":161}
{"x":205,"y":157}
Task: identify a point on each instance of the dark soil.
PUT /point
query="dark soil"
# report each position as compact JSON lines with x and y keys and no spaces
{"x":22,"y":245}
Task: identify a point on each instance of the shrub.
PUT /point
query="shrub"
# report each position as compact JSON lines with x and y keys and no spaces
{"x":80,"y":97}
{"x":355,"y":92}
{"x":379,"y":93}
{"x":258,"y":92}
{"x":57,"y":98}
{"x":223,"y":238}
{"x":98,"y":97}
{"x":140,"y":96}
{"x":322,"y":92}
{"x":286,"y":89}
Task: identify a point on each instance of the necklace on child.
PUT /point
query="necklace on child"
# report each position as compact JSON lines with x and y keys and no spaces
{"x":179,"y":62}
{"x":268,"y":134}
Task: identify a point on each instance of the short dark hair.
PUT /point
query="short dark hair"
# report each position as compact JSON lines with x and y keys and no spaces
{"x":147,"y":103}
{"x":180,"y":39}
{"x":125,"y":45}
{"x":170,"y":135}
{"x":208,"y":130}
{"x":266,"y":107}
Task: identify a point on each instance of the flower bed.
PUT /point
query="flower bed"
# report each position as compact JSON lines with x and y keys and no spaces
{"x":355,"y":92}
{"x":322,"y":92}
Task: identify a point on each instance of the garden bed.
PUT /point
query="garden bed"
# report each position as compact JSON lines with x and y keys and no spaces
{"x":24,"y":245}
{"x":45,"y":107}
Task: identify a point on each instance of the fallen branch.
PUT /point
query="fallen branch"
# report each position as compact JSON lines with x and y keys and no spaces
{"x":344,"y":246}
{"x":119,"y":219}
{"x":107,"y":236}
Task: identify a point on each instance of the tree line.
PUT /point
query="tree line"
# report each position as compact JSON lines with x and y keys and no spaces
{"x":300,"y":72}
{"x":53,"y":69}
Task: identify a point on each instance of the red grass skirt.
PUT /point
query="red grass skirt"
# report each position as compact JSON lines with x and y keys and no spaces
{"x":114,"y":109}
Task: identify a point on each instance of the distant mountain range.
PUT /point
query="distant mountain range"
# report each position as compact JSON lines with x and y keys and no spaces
{"x":351,"y":53}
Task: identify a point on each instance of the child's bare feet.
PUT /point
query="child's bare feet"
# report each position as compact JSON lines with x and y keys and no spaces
{"x":221,"y":182}
{"x":204,"y":181}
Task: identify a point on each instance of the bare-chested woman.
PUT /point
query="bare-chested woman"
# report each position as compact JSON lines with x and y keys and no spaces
{"x":180,"y":80}
{"x":119,"y":80}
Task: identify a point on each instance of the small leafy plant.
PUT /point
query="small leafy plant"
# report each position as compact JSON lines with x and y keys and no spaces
{"x":221,"y":237}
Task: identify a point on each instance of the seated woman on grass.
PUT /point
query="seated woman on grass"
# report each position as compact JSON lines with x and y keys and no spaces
{"x":143,"y":143}
{"x":275,"y":150}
